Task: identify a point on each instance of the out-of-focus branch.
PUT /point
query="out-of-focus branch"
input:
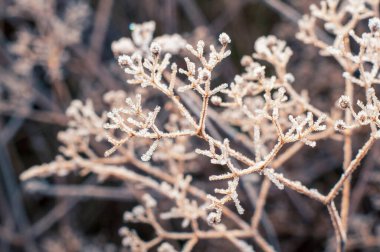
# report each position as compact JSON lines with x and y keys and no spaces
{"x":14,"y":196}
{"x":291,"y":14}
{"x":77,"y":191}
{"x":102,"y":19}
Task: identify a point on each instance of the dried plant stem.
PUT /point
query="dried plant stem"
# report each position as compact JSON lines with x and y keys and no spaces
{"x":350,"y":169}
{"x":154,"y":242}
{"x":347,"y":150}
{"x":266,"y":161}
{"x":208,"y":234}
{"x":146,"y":167}
{"x":190,"y":244}
{"x":260,"y":203}
{"x":298,"y":187}
{"x":340,"y":234}
{"x":61,"y":92}
{"x":39,"y":116}
{"x":102,"y":19}
{"x":202,"y":117}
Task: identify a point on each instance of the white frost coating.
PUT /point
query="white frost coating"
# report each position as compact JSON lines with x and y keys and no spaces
{"x":269,"y":173}
{"x":148,"y":155}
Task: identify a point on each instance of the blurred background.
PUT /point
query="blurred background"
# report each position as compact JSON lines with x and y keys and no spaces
{"x":54,"y":51}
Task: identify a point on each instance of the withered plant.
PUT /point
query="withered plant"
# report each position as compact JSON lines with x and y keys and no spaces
{"x":249,"y":127}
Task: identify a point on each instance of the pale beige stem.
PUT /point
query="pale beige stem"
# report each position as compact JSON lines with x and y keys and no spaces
{"x":350,"y":169}
{"x":260,"y":203}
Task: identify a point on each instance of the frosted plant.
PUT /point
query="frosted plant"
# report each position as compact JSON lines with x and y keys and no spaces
{"x":260,"y":111}
{"x":340,"y":18}
{"x":46,"y":46}
{"x":15,"y":91}
{"x":142,"y":38}
{"x":42,"y":39}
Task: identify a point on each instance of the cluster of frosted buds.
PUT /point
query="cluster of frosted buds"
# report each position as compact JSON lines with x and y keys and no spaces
{"x":306,"y":31}
{"x":204,"y":77}
{"x":142,"y":37}
{"x":327,"y":12}
{"x":123,"y":46}
{"x":83,"y":123}
{"x":138,"y":213}
{"x":142,"y":34}
{"x":188,"y":211}
{"x":369,"y":39}
{"x":216,"y":204}
{"x":131,"y":240}
{"x":253,"y":70}
{"x":369,"y":113}
{"x":38,"y":48}
{"x":230,"y":193}
{"x":276,"y":99}
{"x":215,"y":216}
{"x":149,"y":72}
{"x":272,"y":50}
{"x":185,"y":209}
{"x":137,"y":124}
{"x":137,"y":67}
{"x":362,"y":8}
{"x":235,"y":91}
{"x":370,"y":45}
{"x":204,"y":72}
{"x":248,"y":83}
{"x":149,"y":201}
{"x":302,"y":127}
{"x":84,"y":119}
{"x":115,"y":98}
{"x":221,"y":158}
{"x":74,"y":142}
{"x":273,"y":101}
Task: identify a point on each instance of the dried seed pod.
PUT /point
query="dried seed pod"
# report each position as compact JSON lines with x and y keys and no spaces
{"x":344,"y":102}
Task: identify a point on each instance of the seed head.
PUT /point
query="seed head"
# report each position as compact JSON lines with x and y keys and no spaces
{"x":216,"y":100}
{"x":363,"y":118}
{"x":204,"y":75}
{"x":224,"y":39}
{"x":246,"y":61}
{"x":123,"y":60}
{"x":344,"y":102}
{"x":340,"y":125}
{"x":289,"y":78}
{"x":374,"y":24}
{"x":213,"y":218}
{"x":155,"y":49}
